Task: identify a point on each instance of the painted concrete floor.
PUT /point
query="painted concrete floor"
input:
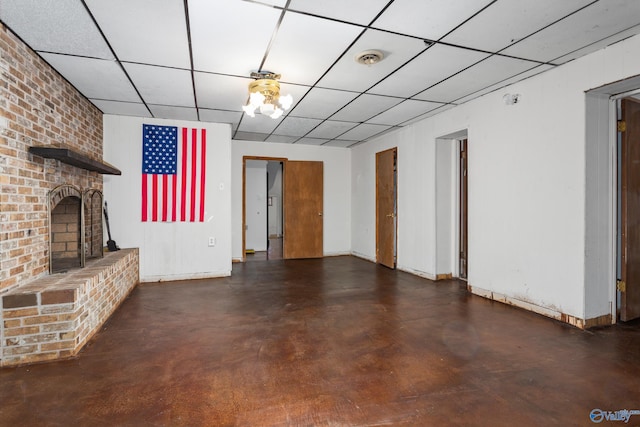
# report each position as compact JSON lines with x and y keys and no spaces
{"x":328,"y":342}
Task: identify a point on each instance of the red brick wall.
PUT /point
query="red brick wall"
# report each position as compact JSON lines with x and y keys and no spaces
{"x":37,"y":107}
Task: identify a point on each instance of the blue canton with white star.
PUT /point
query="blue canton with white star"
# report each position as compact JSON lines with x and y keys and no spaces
{"x":159,"y":150}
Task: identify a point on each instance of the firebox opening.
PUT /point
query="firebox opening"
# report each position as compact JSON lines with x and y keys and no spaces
{"x":65,"y":235}
{"x":75,"y":227}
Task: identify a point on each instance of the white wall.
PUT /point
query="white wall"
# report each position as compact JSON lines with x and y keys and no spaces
{"x":337,"y":194}
{"x":275,"y":194}
{"x":527,"y":183}
{"x":169,"y":251}
{"x":416,"y":199}
{"x":256,"y":205}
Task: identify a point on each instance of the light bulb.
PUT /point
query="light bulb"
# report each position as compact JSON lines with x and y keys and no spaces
{"x":250,"y":110}
{"x":256,"y":99}
{"x":286,"y":101}
{"x":267,"y":109}
{"x":276,"y":114}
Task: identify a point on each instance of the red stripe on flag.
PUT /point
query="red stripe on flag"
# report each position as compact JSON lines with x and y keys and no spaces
{"x":194,"y":154}
{"x":144,"y":197}
{"x":165,"y":193}
{"x":174,"y":194}
{"x":183,"y":184}
{"x":154,"y":196}
{"x":203,"y":168}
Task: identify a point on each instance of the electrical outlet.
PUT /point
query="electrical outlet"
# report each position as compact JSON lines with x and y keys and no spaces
{"x":212,"y":241}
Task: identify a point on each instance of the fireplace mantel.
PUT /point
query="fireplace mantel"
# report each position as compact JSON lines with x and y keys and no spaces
{"x":74,"y":158}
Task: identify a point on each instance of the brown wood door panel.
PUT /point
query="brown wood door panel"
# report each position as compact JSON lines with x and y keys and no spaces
{"x":630,"y":297}
{"x":386,"y":208}
{"x":303,"y":209}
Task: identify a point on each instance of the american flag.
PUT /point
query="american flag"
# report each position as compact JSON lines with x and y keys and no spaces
{"x":173,"y":173}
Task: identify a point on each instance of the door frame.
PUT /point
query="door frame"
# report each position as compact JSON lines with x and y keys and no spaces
{"x":600,"y":243}
{"x":244,"y":196}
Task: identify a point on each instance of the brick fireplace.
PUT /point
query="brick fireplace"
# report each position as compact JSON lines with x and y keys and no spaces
{"x":56,"y":288}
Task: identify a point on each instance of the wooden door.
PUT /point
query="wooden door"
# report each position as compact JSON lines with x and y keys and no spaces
{"x":303,"y":209}
{"x":463,"y":241}
{"x":386,"y":212}
{"x":630,"y":285}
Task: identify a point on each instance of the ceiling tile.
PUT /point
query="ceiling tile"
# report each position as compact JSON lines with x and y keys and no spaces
{"x":297,"y":92}
{"x":431,"y":113}
{"x":506,"y":22}
{"x":356,"y":11}
{"x":163,"y":86}
{"x":230,"y":36}
{"x":282,"y":139}
{"x":250,"y":136}
{"x":350,"y":75}
{"x":434,"y":65}
{"x":218,"y":116}
{"x":486,"y":73}
{"x":145,"y":31}
{"x":121,"y":108}
{"x":258,"y":124}
{"x":587,"y":26}
{"x":428,"y":19}
{"x":296,"y":126}
{"x":321,"y":103}
{"x":364,"y":131}
{"x":305,"y":47}
{"x":95,"y":78}
{"x":404,"y":111}
{"x":59,"y":26}
{"x":311,"y":141}
{"x":173,"y":113}
{"x":331,"y":129}
{"x":221,"y":92}
{"x":532,"y":72}
{"x":338,"y":143}
{"x":600,"y":44}
{"x":365,"y":107}
{"x":278,"y":3}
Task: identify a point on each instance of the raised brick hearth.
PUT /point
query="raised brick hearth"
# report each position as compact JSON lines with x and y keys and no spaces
{"x":53,"y":317}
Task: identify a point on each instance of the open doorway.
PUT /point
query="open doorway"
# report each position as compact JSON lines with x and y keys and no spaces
{"x":607,"y":283}
{"x":463,"y":227}
{"x":451,"y":197}
{"x":282,"y":209}
{"x":263,"y":212}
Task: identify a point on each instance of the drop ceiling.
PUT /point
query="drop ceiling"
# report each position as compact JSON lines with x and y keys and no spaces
{"x":191,"y":59}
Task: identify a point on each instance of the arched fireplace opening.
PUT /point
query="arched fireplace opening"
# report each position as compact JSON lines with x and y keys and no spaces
{"x":75,"y":227}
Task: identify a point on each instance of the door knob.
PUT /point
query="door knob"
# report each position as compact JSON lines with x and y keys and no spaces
{"x":391,"y":215}
{"x":319,"y":213}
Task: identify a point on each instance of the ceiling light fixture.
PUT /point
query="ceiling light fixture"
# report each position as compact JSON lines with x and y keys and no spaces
{"x":264,"y":96}
{"x":369,"y":57}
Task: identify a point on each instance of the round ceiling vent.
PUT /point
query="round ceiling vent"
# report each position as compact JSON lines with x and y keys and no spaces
{"x":369,"y":57}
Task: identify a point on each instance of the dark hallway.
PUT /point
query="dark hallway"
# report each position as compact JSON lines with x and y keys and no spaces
{"x":328,"y":342}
